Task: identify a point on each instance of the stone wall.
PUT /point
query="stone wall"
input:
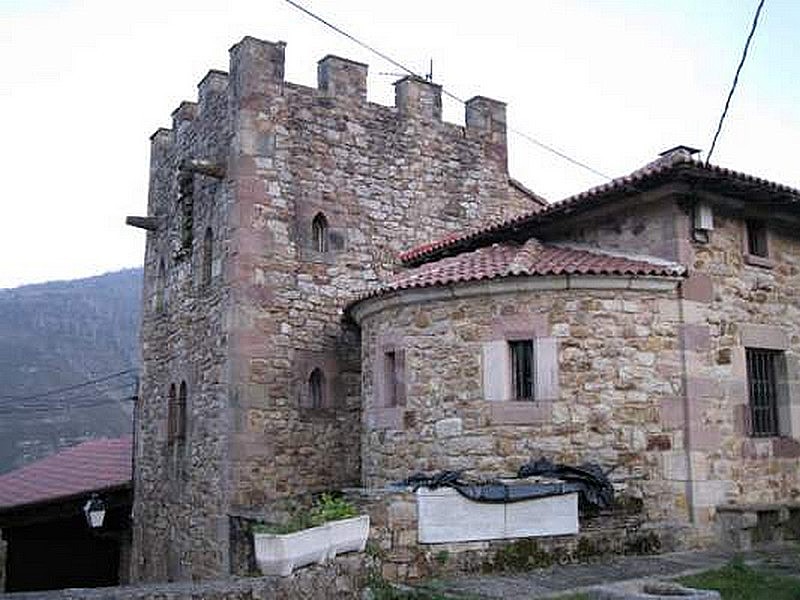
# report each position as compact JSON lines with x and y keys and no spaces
{"x":385,"y":179}
{"x":180,"y":489}
{"x":619,"y":365}
{"x":256,"y":159}
{"x":342,"y":579}
{"x":730,"y":305}
{"x":729,"y":302}
{"x":394,"y":548}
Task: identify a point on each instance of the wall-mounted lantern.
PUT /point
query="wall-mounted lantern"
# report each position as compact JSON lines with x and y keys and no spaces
{"x":95,"y":511}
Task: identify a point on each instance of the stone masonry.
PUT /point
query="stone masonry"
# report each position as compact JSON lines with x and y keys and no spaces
{"x":287,"y":351}
{"x":243,"y":300}
{"x":650,"y":379}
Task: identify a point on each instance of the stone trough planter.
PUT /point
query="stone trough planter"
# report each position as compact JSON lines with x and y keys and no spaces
{"x":280,"y":554}
{"x":651,"y":590}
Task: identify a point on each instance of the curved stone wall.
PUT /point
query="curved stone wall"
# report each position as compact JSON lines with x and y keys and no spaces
{"x":610,"y":345}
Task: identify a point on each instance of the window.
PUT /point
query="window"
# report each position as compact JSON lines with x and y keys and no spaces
{"x":208,"y":257}
{"x":180,"y":431}
{"x":316,"y":388}
{"x":757,"y":238}
{"x":319,"y":233}
{"x":522,"y":370}
{"x":762,"y":382}
{"x":186,"y":201}
{"x":161,"y":275}
{"x":392,"y":378}
{"x":172,"y":423}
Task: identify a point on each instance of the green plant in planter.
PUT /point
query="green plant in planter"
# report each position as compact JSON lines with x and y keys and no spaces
{"x":331,"y":508}
{"x":327,"y":507}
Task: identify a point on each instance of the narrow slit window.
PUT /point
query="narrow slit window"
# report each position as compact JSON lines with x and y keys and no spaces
{"x":180,"y":431}
{"x":762,"y":381}
{"x":161,"y":276}
{"x":172,"y":401}
{"x":522,"y":370}
{"x":208,"y":256}
{"x":390,"y":379}
{"x":316,"y":388}
{"x":319,"y":233}
{"x":757,"y":238}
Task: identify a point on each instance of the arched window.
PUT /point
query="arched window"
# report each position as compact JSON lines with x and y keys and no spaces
{"x":208,"y":256}
{"x":319,"y":233}
{"x":180,"y":432}
{"x":161,"y":276}
{"x":316,"y":388}
{"x":172,"y":423}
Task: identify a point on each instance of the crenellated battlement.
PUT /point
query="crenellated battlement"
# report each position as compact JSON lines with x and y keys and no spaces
{"x":186,"y":111}
{"x":342,"y":77}
{"x":211,"y":88}
{"x":257,"y":70}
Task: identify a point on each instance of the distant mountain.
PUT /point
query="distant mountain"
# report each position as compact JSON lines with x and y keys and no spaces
{"x":64,"y":334}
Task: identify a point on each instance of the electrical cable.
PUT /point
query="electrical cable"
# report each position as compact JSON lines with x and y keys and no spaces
{"x":64,"y":401}
{"x":69,"y":388}
{"x":64,"y":408}
{"x":735,"y":81}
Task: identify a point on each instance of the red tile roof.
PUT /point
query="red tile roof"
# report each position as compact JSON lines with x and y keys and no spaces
{"x":90,"y":466}
{"x":662,"y":169}
{"x":511,"y":259}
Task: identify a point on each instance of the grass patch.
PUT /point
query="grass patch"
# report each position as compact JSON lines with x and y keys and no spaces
{"x":738,"y":581}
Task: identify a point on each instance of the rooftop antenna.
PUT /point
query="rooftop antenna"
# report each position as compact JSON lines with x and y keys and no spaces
{"x":428,"y":75}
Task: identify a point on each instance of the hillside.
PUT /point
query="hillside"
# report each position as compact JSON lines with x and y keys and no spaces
{"x":62,"y":334}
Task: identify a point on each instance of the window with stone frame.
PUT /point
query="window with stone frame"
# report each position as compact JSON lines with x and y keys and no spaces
{"x":180,"y":428}
{"x":319,"y":233}
{"x":172,"y":421}
{"x":757,"y":238}
{"x":393,"y":392}
{"x":765,"y":369}
{"x":208,"y":257}
{"x":159,"y":302}
{"x":522,"y":370}
{"x":316,"y":389}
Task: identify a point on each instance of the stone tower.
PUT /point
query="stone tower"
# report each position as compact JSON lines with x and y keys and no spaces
{"x":271,"y":205}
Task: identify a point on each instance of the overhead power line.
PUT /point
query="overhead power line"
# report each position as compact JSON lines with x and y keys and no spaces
{"x":735,"y":80}
{"x":69,"y":388}
{"x":66,"y":401}
{"x":61,"y":408}
{"x":399,"y":65}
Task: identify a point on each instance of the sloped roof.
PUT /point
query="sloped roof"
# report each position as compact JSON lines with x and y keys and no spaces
{"x":91,"y":466}
{"x":670,"y":167}
{"x":509,"y":259}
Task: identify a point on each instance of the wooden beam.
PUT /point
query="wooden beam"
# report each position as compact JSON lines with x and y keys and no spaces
{"x":203,"y":167}
{"x":148,"y":223}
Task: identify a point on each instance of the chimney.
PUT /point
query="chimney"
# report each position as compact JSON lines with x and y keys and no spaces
{"x":678,"y":153}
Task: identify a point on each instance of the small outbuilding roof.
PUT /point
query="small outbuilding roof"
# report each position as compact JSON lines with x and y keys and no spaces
{"x":88,"y":467}
{"x":532,"y":258}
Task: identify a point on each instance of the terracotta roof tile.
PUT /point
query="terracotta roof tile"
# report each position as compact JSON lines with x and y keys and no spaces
{"x":529,"y":259}
{"x":92,"y":465}
{"x":663,"y":167}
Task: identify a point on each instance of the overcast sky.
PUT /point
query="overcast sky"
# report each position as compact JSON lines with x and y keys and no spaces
{"x":612,"y":83}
